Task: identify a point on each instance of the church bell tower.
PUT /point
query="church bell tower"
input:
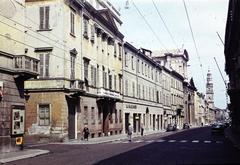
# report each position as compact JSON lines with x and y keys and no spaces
{"x":209,"y":90}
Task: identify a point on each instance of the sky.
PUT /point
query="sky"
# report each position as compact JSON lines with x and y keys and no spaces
{"x":207,"y":17}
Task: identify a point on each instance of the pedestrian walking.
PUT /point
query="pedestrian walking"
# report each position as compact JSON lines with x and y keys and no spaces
{"x":142,"y":129}
{"x":130,"y":129}
{"x":85,"y":132}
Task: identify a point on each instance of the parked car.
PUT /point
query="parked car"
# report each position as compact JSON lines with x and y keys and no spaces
{"x":218,"y":128}
{"x":186,"y":126}
{"x":171,"y":127}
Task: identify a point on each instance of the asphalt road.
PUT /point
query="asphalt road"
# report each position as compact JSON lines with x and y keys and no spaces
{"x":194,"y":146}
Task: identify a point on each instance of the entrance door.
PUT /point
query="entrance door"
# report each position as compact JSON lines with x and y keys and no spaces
{"x":158,"y":122}
{"x":147,"y":119}
{"x":106,"y":113}
{"x":154,"y":121}
{"x":71,"y":102}
{"x":126,"y":121}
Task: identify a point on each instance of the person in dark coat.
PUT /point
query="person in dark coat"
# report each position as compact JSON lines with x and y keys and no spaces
{"x":85,"y":132}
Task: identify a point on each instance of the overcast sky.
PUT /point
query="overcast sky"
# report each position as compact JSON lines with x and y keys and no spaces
{"x":207,"y":17}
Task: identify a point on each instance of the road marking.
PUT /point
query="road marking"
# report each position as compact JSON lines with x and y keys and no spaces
{"x":125,"y":142}
{"x":160,"y":141}
{"x":183,"y":141}
{"x":195,"y":141}
{"x":219,"y":142}
{"x":149,"y":141}
{"x":138,"y":141}
{"x":207,"y":141}
{"x":172,"y":141}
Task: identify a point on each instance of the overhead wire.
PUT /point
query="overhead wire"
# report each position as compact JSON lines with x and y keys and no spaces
{"x":150,"y":27}
{"x":195,"y":45}
{"x":164,"y":23}
{"x":43,"y":41}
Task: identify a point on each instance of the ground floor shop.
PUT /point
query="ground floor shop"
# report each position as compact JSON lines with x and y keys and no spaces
{"x":151,"y":118}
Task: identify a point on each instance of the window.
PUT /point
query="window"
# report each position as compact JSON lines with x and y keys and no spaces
{"x":92,"y":33}
{"x":72,"y":21}
{"x":133,"y":89}
{"x":143,"y":93}
{"x":157,"y":94}
{"x":86,"y":63}
{"x":120,"y":83}
{"x":116,"y":116}
{"x":115,"y":82}
{"x":85,"y":27}
{"x":115,"y":49}
{"x":44,"y":17}
{"x":139,"y":91}
{"x":120,"y":51}
{"x":126,"y":59}
{"x":142,"y":68}
{"x":104,"y":78}
{"x":126,"y":87}
{"x":72,"y":74}
{"x":97,"y":77}
{"x":44,"y":115}
{"x":93,"y":115}
{"x":132,"y":61}
{"x":120,"y":116}
{"x":93,"y":76}
{"x":110,"y":81}
{"x":138,"y":66}
{"x":85,"y":115}
{"x":44,"y":64}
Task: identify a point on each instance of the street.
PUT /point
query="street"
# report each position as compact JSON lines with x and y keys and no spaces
{"x":194,"y":146}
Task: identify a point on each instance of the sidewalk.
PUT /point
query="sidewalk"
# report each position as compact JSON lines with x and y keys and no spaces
{"x":26,"y":153}
{"x":112,"y":138}
{"x":234,"y":138}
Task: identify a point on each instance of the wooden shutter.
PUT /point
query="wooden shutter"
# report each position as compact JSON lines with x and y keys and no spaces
{"x":41,"y":64}
{"x":47,"y":64}
{"x":41,"y":17}
{"x":47,"y":9}
{"x":72,"y":22}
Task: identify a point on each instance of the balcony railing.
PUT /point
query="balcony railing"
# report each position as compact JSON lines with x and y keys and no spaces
{"x":26,"y":64}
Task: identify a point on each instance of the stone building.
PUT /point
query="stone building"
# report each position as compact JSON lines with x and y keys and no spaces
{"x":17,"y":64}
{"x":80,"y":79}
{"x":232,"y":44}
{"x":176,"y":62}
{"x":142,"y":97}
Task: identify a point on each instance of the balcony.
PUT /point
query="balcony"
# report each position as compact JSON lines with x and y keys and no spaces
{"x":25,"y":66}
{"x":107,"y":93}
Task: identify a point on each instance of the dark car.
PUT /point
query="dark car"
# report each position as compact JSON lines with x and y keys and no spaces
{"x":186,"y":126}
{"x":218,"y":128}
{"x":171,"y":127}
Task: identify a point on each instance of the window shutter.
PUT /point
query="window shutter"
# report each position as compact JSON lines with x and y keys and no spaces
{"x":47,"y":9}
{"x":47,"y":64}
{"x":41,"y":64}
{"x":72,"y":23}
{"x":41,"y":17}
{"x":92,"y":78}
{"x":95,"y":77}
{"x":92,"y":33}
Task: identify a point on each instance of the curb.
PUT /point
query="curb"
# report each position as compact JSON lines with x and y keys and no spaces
{"x":24,"y":156}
